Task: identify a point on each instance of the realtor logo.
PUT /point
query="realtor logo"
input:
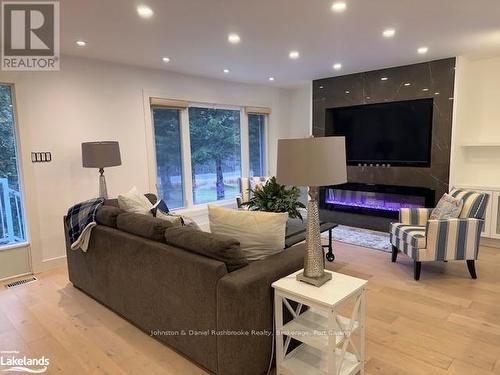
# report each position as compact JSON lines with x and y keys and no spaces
{"x":30,"y":35}
{"x":13,"y":362}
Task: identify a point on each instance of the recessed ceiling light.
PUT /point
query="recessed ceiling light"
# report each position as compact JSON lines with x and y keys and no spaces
{"x":271,"y":78}
{"x":165,"y":59}
{"x":436,"y":93}
{"x":389,"y":33}
{"x":339,"y":6}
{"x":226,"y":70}
{"x":368,"y":97}
{"x":321,"y":87}
{"x":144,"y":11}
{"x":347,"y":92}
{"x":384,"y":79}
{"x":337,"y":66}
{"x":422,"y":50}
{"x":425,"y":89}
{"x":407,"y":84}
{"x":233,"y":38}
{"x":81,"y":43}
{"x":294,"y":55}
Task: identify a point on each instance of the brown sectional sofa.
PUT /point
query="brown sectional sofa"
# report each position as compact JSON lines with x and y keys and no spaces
{"x":167,"y":285}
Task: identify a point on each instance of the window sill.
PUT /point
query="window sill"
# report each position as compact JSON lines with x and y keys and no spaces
{"x":14,"y":246}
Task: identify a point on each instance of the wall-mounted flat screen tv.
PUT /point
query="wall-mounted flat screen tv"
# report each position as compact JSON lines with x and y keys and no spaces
{"x":396,"y":133}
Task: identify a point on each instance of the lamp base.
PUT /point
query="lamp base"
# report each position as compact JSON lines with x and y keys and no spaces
{"x":314,"y":259}
{"x":316,"y":281}
{"x":103,"y":190}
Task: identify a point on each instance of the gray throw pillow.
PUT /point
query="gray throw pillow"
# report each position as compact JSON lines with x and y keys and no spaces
{"x":448,"y":207}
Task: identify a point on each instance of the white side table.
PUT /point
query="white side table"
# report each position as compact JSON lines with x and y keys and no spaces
{"x":326,"y":336}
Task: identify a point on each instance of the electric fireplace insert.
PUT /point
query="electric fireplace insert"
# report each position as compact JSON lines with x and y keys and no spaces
{"x":376,"y":200}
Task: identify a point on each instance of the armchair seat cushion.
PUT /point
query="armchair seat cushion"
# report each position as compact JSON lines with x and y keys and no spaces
{"x":413,"y":235}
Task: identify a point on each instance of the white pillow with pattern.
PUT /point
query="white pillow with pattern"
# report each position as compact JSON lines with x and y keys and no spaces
{"x":448,"y":207}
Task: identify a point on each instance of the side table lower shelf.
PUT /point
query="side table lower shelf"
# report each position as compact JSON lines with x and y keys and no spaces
{"x":307,"y":360}
{"x":302,"y":328}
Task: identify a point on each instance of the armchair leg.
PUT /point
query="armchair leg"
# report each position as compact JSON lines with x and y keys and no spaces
{"x":472,"y":268}
{"x":394,"y":253}
{"x":416,"y":270}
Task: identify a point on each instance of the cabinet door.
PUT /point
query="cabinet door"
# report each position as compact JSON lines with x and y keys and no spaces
{"x":495,"y":215}
{"x":487,"y":228}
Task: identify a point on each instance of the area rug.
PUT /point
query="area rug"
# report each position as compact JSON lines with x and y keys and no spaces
{"x":361,"y":237}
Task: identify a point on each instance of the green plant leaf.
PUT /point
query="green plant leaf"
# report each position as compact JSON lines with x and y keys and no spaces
{"x":274,"y":197}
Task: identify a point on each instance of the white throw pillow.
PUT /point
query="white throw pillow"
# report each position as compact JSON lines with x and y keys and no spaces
{"x":134,"y":201}
{"x":176,"y":220}
{"x":448,"y":207}
{"x":260,"y":234}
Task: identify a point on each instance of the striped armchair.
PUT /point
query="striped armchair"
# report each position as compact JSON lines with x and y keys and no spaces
{"x":426,"y":240}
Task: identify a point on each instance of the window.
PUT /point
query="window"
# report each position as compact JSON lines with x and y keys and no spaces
{"x":167,"y":130}
{"x":203,"y":150}
{"x":215,"y":153}
{"x":12,"y":227}
{"x":256,"y":143}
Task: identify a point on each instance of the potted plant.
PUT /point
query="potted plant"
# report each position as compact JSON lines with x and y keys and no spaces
{"x":274,"y":197}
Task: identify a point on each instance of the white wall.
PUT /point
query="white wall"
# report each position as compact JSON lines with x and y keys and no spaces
{"x":90,"y":100}
{"x":476,"y":121}
{"x":301,"y":111}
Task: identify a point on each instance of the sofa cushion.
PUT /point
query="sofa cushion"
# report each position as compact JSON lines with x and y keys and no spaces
{"x":107,"y":215}
{"x":142,"y":225}
{"x":260,"y":233}
{"x":413,"y":235}
{"x":218,"y":247}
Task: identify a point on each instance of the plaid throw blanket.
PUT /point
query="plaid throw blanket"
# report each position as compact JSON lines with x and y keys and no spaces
{"x":80,"y":220}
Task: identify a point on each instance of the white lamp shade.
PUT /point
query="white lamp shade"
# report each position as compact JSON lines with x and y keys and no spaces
{"x":312,"y":161}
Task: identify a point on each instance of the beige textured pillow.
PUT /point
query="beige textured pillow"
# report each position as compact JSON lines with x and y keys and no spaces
{"x":135,"y":202}
{"x":260,"y":233}
{"x":176,"y":220}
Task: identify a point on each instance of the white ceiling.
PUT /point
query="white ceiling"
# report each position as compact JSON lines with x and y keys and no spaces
{"x":193,"y":33}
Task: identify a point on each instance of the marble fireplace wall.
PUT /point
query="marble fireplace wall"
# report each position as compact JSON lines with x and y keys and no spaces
{"x":434,"y":79}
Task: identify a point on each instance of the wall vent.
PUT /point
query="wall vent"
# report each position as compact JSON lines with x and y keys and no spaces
{"x":17,"y":283}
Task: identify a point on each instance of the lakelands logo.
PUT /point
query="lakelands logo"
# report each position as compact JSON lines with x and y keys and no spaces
{"x":11,"y":361}
{"x":30,"y":35}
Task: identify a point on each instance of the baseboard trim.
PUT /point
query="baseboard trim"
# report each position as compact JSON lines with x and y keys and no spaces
{"x":16,"y":276}
{"x":490,"y":242}
{"x":51,"y":263}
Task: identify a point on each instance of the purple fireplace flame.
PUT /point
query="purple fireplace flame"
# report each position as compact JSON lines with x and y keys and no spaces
{"x":372,"y":200}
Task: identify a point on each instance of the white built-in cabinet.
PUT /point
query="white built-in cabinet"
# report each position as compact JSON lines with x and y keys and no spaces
{"x":491,"y":227}
{"x":494,"y":229}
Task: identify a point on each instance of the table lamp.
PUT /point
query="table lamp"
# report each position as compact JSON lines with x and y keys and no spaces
{"x":312,"y":162}
{"x":101,"y":155}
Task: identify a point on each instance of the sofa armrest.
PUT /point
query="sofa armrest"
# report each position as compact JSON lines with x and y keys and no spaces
{"x":414,"y":216}
{"x":453,"y":239}
{"x":245,"y":302}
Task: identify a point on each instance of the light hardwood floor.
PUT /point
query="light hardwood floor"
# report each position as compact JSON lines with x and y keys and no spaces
{"x":444,"y":324}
